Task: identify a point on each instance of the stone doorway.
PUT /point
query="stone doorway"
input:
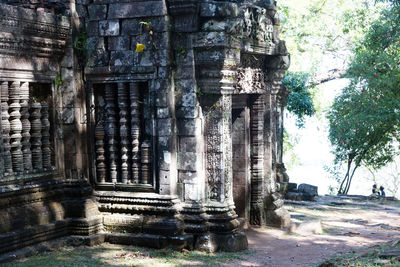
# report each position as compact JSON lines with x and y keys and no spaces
{"x":241,"y":155}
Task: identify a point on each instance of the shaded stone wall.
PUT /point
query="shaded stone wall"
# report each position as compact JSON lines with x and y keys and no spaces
{"x":36,"y":201}
{"x":154,"y":106}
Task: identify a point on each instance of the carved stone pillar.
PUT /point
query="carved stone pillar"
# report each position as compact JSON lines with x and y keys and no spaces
{"x":134,"y":95}
{"x":111,"y":131}
{"x":146,"y":163}
{"x":46,"y":145}
{"x":26,"y":127}
{"x":1,"y":142}
{"x":218,"y":128}
{"x":16,"y":128}
{"x":278,"y":99}
{"x":257,"y":216}
{"x":100,"y":158}
{"x":6,"y":129}
{"x":36,"y":136}
{"x":123,"y":131}
{"x":274,"y":147}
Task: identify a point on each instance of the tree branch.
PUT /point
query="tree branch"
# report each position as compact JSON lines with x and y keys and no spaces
{"x":328,"y":76}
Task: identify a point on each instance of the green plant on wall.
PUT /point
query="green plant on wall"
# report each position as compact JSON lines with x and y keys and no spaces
{"x":80,"y":48}
{"x":58,"y":80}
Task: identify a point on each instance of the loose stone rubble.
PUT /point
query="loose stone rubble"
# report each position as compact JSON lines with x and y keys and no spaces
{"x":165,"y":146}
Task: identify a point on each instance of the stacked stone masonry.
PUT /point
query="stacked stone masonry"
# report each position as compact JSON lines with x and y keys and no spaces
{"x":153,"y":123}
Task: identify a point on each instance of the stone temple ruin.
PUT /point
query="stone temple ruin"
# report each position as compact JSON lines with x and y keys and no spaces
{"x":175,"y":145}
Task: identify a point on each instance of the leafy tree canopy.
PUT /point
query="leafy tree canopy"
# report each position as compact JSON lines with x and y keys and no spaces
{"x":299,"y":102}
{"x":316,"y":31}
{"x":365,"y":118}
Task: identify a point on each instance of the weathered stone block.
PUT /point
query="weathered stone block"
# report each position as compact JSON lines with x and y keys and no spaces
{"x":165,"y":142}
{"x":185,"y":73}
{"x":130,"y":27}
{"x":163,"y":72}
{"x":94,"y":43}
{"x":109,"y":27}
{"x":187,"y":177}
{"x":185,"y":86}
{"x":81,"y":10}
{"x":68,"y":58}
{"x":98,"y":58}
{"x":162,"y":57}
{"x":137,"y":9}
{"x":191,"y":191}
{"x":121,"y":58}
{"x":92,"y":28}
{"x":232,"y":242}
{"x":163,"y":225}
{"x":144,"y":59}
{"x":215,"y":9}
{"x":127,"y":224}
{"x":278,"y":218}
{"x":187,"y":161}
{"x":189,"y":126}
{"x":162,"y":113}
{"x":308,"y":189}
{"x":164,"y":127}
{"x":165,"y":178}
{"x":186,"y":99}
{"x":286,"y":187}
{"x":160,"y":24}
{"x":68,"y":115}
{"x":97,"y":12}
{"x":119,"y":43}
{"x":187,"y":112}
{"x":187,"y":144}
{"x":164,"y":159}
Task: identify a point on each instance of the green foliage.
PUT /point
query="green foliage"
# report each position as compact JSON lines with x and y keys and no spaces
{"x":58,"y":80}
{"x":299,"y":101}
{"x":313,"y":29}
{"x":289,"y":143}
{"x":365,"y":118}
{"x":81,"y":48}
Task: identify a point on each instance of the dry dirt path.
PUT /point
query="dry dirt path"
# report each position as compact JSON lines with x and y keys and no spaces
{"x":348,"y":224}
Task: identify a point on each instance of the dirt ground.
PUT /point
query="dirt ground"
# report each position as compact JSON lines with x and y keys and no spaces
{"x":329,"y":226}
{"x":324,"y":228}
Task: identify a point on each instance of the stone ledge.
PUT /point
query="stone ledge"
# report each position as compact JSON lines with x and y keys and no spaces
{"x":152,"y":241}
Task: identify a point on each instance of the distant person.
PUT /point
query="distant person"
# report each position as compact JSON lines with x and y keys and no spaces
{"x":381,"y":188}
{"x":375,"y":190}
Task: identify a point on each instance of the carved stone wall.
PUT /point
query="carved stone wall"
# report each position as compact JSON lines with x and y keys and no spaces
{"x":139,"y":143}
{"x":36,"y":202}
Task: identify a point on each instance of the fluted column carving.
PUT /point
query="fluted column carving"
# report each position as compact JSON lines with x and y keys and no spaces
{"x":6,"y":129}
{"x":100,"y":157}
{"x":5,"y":124}
{"x":16,"y":128}
{"x":146,"y":162}
{"x":1,"y":142}
{"x":26,"y":126}
{"x":135,"y":130}
{"x":111,"y":131}
{"x":46,"y":150}
{"x":36,"y":136}
{"x":123,"y":131}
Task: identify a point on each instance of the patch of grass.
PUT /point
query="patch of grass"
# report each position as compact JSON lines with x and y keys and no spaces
{"x":372,"y":256}
{"x":117,"y":255}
